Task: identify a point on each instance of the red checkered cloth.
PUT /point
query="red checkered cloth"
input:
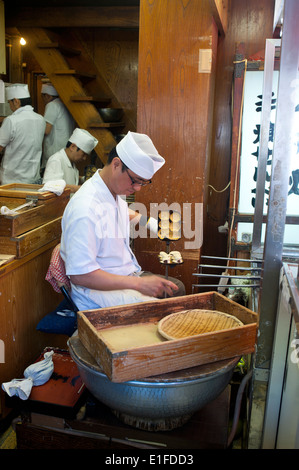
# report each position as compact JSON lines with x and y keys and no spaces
{"x":56,"y":273}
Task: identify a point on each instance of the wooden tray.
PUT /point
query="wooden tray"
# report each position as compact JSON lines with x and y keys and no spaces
{"x":20,"y":190}
{"x":125,"y":342}
{"x":28,"y":219}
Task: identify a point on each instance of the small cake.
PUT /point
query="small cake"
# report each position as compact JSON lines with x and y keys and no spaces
{"x":176,"y":257}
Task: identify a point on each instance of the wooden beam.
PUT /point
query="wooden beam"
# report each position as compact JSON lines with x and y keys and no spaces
{"x":219,"y":10}
{"x":73,"y":17}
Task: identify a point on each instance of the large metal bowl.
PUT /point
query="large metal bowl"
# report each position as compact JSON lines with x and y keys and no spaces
{"x":111,"y":114}
{"x":154,"y":403}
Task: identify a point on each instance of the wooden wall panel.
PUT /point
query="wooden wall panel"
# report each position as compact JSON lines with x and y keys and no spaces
{"x":115,"y":54}
{"x":219,"y":10}
{"x":174,"y":109}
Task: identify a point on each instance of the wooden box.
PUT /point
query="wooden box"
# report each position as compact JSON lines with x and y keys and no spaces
{"x":49,"y":206}
{"x":125,"y":343}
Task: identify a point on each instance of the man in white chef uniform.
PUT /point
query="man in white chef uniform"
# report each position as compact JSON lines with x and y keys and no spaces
{"x":21,"y":135}
{"x":59,"y":122}
{"x":95,"y":247}
{"x":62,"y":165}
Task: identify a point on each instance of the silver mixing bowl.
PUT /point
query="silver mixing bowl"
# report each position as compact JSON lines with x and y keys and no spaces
{"x":154,"y":403}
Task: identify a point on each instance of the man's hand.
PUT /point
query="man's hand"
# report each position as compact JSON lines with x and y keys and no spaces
{"x":155,"y":286}
{"x":151,"y":285}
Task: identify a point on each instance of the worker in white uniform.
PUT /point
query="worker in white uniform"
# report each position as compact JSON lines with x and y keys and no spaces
{"x":95,"y":246}
{"x":59,"y":123}
{"x":62,"y":165}
{"x":21,"y":135}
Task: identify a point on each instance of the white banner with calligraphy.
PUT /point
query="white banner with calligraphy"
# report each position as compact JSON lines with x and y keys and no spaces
{"x":249,"y":158}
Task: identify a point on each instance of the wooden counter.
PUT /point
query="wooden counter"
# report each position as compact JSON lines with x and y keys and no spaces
{"x":25,"y":298}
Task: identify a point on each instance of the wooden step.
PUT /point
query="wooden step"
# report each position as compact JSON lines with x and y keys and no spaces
{"x":98,"y":124}
{"x":91,"y":99}
{"x":75,"y":73}
{"x":67,"y":51}
{"x":70,"y":79}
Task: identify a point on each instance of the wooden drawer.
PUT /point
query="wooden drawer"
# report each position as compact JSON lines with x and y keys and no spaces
{"x":32,"y":240}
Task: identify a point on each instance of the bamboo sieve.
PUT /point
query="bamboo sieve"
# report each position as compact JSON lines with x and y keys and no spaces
{"x":195,"y":322}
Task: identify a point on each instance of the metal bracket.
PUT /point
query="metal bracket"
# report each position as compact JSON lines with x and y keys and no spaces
{"x":261,"y":375}
{"x":33,"y":199}
{"x":239,"y":246}
{"x":239,"y":65}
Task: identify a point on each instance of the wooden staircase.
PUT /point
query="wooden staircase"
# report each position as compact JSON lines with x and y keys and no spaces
{"x":79,"y":84}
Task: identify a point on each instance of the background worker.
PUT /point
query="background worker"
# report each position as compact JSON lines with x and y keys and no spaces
{"x":59,"y":123}
{"x":21,"y":135}
{"x":62,"y":165}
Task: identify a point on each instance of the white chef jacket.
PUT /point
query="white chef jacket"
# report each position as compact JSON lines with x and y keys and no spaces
{"x":95,"y":235}
{"x":63,"y":125}
{"x":59,"y":167}
{"x":22,"y":136}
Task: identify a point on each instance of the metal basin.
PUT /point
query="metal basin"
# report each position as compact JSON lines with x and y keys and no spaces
{"x":161,"y":402}
{"x":111,"y":114}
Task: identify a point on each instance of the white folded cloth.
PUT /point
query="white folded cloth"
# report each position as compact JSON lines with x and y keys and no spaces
{"x":56,"y":187}
{"x":18,"y":387}
{"x":35,"y":374}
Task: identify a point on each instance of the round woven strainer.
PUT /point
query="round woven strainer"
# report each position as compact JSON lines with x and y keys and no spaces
{"x":195,"y":322}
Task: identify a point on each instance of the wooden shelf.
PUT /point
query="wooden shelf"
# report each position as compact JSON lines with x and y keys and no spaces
{"x":106,"y":124}
{"x":55,"y":45}
{"x":75,"y":73}
{"x":90,"y":99}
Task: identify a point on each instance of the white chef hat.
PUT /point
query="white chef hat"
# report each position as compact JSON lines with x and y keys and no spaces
{"x":139,"y":154}
{"x":83,"y":139}
{"x":49,"y":89}
{"x":17,"y":90}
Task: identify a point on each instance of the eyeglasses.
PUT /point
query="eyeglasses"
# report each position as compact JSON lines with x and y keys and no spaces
{"x":140,"y":183}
